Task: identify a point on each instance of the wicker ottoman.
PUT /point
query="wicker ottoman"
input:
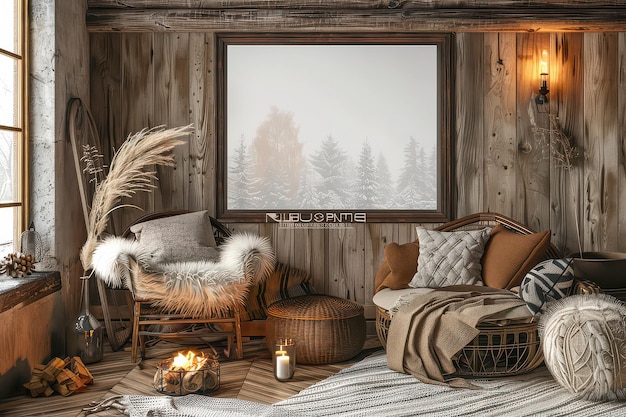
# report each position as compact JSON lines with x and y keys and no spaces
{"x":327,"y":329}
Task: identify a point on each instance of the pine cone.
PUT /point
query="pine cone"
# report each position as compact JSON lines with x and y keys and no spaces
{"x":17,"y":265}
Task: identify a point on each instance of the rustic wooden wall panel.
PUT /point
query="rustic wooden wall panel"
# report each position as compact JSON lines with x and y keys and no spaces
{"x":319,"y":266}
{"x":500,"y":166}
{"x":621,"y":119}
{"x":361,"y":4}
{"x":510,"y":16}
{"x":137,"y":109}
{"x":533,"y":186}
{"x":499,"y":122}
{"x":469,"y":124}
{"x":171,"y":108}
{"x":566,"y":102}
{"x":71,"y":59}
{"x":105,"y":88}
{"x":600,"y":182}
{"x":106,"y":98}
{"x":341,"y":245}
{"x":202,"y":103}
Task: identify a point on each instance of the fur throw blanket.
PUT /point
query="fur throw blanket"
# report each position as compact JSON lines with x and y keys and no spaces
{"x":194,"y":289}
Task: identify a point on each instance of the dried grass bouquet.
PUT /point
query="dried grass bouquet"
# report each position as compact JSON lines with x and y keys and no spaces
{"x":131,"y":171}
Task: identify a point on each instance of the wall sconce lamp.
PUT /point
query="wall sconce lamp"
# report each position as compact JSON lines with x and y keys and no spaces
{"x":542,"y":97}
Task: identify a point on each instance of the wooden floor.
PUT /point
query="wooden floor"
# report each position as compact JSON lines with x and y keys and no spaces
{"x":247,"y":379}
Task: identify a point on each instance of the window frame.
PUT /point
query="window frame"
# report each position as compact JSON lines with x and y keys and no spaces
{"x":20,"y":127}
{"x":446,"y":190}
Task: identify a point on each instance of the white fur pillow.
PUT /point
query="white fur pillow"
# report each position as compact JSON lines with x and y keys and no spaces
{"x":449,"y":258}
{"x":180,"y":238}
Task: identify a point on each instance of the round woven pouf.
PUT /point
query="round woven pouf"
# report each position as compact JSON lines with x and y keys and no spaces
{"x":584,"y":342}
{"x":327,"y":329}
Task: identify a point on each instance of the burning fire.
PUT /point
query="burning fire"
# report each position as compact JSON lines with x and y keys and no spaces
{"x":187,"y":373}
{"x":188,"y":362}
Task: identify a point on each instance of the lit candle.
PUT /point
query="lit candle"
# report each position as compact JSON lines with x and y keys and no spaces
{"x":282,"y":365}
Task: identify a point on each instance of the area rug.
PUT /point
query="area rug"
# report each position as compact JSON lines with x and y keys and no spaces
{"x":369,"y":388}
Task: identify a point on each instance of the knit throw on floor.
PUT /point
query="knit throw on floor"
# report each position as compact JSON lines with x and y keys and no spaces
{"x":370,"y":388}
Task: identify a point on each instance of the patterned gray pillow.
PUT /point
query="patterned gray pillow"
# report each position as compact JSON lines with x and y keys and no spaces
{"x":180,"y":238}
{"x":549,"y":280}
{"x":449,"y":258}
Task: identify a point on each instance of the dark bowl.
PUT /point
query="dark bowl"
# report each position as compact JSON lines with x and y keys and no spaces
{"x":607,"y":269}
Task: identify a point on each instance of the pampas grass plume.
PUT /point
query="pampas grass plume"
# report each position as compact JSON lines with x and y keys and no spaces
{"x":131,"y":171}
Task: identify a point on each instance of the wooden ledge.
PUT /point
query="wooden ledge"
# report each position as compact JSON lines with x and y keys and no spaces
{"x":26,"y":290}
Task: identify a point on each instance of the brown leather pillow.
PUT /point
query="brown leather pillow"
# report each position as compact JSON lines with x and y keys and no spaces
{"x":509,"y":256}
{"x":398,"y":266}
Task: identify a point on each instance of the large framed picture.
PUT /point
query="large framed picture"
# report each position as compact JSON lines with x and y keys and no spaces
{"x":355,"y":124}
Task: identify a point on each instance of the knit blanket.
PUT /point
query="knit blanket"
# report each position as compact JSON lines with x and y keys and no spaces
{"x":428,"y":331}
{"x":370,"y":388}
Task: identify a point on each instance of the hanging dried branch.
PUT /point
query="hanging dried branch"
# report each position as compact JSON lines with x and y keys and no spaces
{"x":129,"y":173}
{"x":562,"y":150}
{"x":563,"y":153}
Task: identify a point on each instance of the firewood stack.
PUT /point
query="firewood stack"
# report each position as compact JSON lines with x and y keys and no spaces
{"x":63,"y":376}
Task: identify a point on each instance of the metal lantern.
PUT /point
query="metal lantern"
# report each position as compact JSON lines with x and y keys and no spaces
{"x":30,"y":243}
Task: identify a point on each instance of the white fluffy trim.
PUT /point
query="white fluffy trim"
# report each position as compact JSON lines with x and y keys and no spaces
{"x":110,"y":260}
{"x":192,"y":288}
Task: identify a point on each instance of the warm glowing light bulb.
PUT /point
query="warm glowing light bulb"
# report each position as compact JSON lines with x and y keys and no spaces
{"x":543,"y":62}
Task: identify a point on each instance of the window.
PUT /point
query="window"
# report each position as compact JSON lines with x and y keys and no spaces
{"x":319,"y":126}
{"x":13,"y":124}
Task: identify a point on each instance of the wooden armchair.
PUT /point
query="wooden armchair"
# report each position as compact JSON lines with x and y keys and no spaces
{"x":152,"y":316}
{"x":147,"y":319}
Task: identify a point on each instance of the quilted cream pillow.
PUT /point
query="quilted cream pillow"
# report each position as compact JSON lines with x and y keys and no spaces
{"x":449,"y":258}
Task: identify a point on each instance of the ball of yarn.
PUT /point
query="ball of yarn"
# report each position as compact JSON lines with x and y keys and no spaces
{"x":584,"y":344}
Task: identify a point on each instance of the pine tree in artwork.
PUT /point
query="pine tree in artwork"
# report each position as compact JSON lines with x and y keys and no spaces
{"x":365,"y":188}
{"x":413,"y":183}
{"x":431,"y":175}
{"x":242,"y":187}
{"x":275,"y":195}
{"x":331,"y":163}
{"x":385,"y":183}
{"x":307,"y":198}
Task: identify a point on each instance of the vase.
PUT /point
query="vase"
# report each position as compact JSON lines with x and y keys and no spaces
{"x":606,"y":269}
{"x":86,"y":331}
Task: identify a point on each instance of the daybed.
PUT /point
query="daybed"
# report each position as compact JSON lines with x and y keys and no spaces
{"x":509,"y":252}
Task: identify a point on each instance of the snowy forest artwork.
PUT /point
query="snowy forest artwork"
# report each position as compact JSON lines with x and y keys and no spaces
{"x":332,"y":127}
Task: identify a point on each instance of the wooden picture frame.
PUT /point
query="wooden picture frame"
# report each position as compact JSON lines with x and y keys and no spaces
{"x":282,"y":98}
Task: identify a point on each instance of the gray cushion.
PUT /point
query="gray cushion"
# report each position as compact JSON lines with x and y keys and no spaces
{"x":180,"y":238}
{"x":449,"y":258}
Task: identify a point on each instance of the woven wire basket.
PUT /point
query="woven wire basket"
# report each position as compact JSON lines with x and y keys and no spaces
{"x":496,"y":351}
{"x":182,"y":382}
{"x":501,"y":351}
{"x":326,"y":329}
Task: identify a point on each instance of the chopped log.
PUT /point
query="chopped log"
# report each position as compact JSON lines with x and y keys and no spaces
{"x":63,"y":376}
{"x":68,"y":383}
{"x":79,"y":368}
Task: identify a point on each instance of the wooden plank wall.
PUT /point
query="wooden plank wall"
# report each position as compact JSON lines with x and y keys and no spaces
{"x":149,"y":79}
